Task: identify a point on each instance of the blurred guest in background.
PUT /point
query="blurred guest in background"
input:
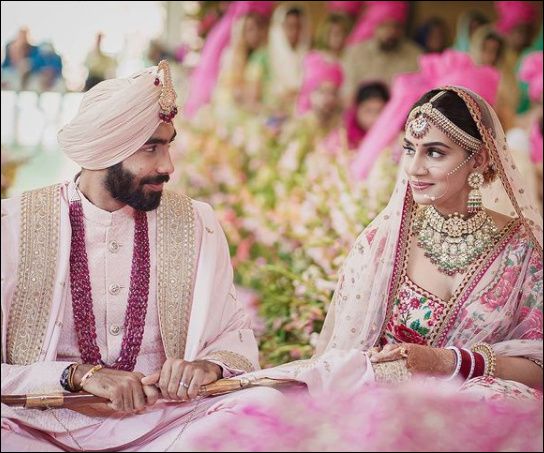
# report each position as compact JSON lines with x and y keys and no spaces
{"x":467,"y":24}
{"x":369,"y":102}
{"x":100,"y":65}
{"x":383,"y":48}
{"x":433,"y":35}
{"x":332,"y":36}
{"x":21,"y":61}
{"x":289,"y":42}
{"x":244,"y":79}
{"x":488,"y":48}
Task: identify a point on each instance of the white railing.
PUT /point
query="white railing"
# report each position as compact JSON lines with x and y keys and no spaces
{"x":31,"y":120}
{"x":30,"y":123}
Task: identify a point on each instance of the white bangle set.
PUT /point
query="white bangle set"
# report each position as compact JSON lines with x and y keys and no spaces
{"x":472,"y":364}
{"x":459,"y":360}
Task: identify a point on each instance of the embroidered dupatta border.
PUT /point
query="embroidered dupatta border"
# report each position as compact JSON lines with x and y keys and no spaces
{"x":470,"y":281}
{"x":407,"y":214}
{"x":489,"y":142}
{"x":36,"y":270}
{"x":175,"y":272}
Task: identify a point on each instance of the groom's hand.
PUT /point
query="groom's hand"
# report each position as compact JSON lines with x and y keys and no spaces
{"x":180,"y":379}
{"x":123,"y":388}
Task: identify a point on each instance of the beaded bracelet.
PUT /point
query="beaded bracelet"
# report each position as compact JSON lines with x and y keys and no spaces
{"x":458,"y":363}
{"x":489,"y":355}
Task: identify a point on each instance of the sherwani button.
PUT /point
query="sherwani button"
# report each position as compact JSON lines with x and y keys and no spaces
{"x":113,"y":246}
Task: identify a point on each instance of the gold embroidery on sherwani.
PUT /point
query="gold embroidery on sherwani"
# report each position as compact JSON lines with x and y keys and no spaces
{"x":231,"y":360}
{"x":175,"y":271}
{"x":36,"y":270}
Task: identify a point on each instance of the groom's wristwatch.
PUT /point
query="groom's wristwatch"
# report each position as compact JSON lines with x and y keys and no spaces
{"x":67,"y":378}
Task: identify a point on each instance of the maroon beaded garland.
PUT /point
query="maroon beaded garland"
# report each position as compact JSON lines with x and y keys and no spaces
{"x":82,"y":302}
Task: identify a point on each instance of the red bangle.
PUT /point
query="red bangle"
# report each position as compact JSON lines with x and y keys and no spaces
{"x":466,"y":364}
{"x":479,"y":366}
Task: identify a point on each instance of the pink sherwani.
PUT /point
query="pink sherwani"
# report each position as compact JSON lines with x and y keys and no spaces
{"x":217,"y":326}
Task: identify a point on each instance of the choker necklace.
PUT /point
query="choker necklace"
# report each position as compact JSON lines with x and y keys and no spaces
{"x":453,"y":243}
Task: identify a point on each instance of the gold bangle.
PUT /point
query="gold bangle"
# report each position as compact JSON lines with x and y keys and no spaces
{"x":490,"y":358}
{"x":71,"y":383}
{"x":89,"y":374}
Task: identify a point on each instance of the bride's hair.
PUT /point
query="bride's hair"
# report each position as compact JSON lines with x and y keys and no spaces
{"x":454,"y":108}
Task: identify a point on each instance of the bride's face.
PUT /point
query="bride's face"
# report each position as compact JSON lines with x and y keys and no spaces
{"x":436,"y":172}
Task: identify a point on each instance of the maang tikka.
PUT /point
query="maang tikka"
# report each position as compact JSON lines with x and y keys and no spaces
{"x":420,"y":120}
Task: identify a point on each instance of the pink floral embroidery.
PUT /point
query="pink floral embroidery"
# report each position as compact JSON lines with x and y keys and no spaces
{"x":370,"y":235}
{"x":414,"y":316}
{"x":496,"y":296}
{"x":532,"y":319}
{"x":407,"y":335}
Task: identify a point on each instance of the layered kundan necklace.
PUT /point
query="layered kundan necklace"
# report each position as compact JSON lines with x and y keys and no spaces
{"x":453,"y":243}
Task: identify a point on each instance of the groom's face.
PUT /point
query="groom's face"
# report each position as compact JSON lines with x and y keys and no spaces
{"x":138,"y":180}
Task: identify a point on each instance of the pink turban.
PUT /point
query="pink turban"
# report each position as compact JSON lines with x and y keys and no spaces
{"x":351,"y":8}
{"x":375,"y":14}
{"x":531,"y":72}
{"x":512,"y":14}
{"x":317,"y":70}
{"x":115,"y":118}
{"x":204,"y":77}
{"x":452,"y":67}
{"x":264,"y":9}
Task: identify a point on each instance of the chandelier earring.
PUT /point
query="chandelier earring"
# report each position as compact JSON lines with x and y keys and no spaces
{"x":475,"y":181}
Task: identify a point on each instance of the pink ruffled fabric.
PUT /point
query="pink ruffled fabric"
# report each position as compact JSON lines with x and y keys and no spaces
{"x":317,"y":70}
{"x":531,"y":72}
{"x":204,"y":77}
{"x":404,"y":417}
{"x":375,"y":14}
{"x":512,"y":14}
{"x":452,"y":67}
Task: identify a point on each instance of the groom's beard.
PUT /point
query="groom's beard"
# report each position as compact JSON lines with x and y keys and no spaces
{"x":125,"y":187}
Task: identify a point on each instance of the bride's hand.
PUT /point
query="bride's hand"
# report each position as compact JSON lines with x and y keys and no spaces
{"x":388,"y":353}
{"x":419,"y":359}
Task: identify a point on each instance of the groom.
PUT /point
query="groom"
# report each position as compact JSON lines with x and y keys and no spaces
{"x":110,"y":278}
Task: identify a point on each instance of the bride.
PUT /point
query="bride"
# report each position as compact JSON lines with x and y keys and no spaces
{"x":438,"y":284}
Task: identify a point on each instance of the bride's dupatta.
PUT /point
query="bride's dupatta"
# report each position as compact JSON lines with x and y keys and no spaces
{"x":499,"y":300}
